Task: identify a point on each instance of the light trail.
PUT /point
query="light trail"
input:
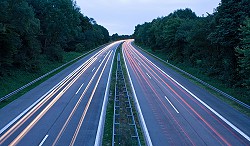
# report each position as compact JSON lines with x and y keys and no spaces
{"x":63,"y":85}
{"x":45,"y":110}
{"x":42,"y":102}
{"x":88,"y":104}
{"x":160,"y":101}
{"x":151,"y":69}
{"x":77,"y":105}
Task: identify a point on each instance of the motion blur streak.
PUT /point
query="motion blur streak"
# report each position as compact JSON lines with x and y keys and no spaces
{"x":47,"y":98}
{"x":160,"y":101}
{"x":89,"y":101}
{"x":21,"y":129}
{"x":155,"y":85}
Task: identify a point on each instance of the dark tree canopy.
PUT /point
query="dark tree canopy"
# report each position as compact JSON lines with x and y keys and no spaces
{"x":208,"y":43}
{"x":31,"y":30}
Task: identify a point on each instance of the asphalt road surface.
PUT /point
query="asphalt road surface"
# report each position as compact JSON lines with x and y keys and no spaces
{"x":65,"y":109}
{"x":178,"y":112}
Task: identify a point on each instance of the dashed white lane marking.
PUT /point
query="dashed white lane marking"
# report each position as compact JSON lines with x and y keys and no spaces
{"x":148,"y":75}
{"x":172,"y":105}
{"x":79,"y":88}
{"x":43,"y":140}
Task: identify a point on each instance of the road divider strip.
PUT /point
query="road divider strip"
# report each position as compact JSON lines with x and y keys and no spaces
{"x":142,"y":121}
{"x":90,"y":99}
{"x":100,"y":129}
{"x":47,"y":93}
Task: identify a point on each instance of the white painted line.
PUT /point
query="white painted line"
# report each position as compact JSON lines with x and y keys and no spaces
{"x":43,"y":140}
{"x":79,"y":88}
{"x":93,"y":69}
{"x":100,"y":129}
{"x":142,"y":121}
{"x":207,"y":106}
{"x":139,"y":64}
{"x":172,"y":105}
{"x":148,"y":75}
{"x":100,"y":60}
{"x":41,"y":98}
{"x":90,"y":99}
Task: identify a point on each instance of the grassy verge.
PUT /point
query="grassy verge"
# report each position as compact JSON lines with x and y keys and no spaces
{"x":139,"y":128}
{"x":108,"y":128}
{"x":19,"y":78}
{"x":235,"y":92}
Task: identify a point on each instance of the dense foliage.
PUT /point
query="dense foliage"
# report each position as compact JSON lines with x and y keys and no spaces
{"x":116,"y":37}
{"x":218,"y":44}
{"x":32,"y":30}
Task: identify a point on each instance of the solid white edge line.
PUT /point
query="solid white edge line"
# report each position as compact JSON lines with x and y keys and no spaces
{"x":43,"y":140}
{"x":148,"y":75}
{"x":30,"y":107}
{"x":36,"y":102}
{"x":79,"y":88}
{"x":142,"y":121}
{"x":99,"y":133}
{"x":203,"y":103}
{"x":171,"y":104}
{"x":41,"y":98}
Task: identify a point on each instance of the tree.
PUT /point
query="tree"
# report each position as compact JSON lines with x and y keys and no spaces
{"x":244,"y":54}
{"x":183,"y":14}
{"x":226,"y":36}
{"x":18,"y":36}
{"x":32,"y":30}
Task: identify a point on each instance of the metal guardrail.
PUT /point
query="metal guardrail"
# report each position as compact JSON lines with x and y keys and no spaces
{"x":202,"y":82}
{"x":124,"y":126}
{"x":45,"y":75}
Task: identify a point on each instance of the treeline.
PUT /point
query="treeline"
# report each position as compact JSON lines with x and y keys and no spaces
{"x":33,"y":30}
{"x":116,"y":37}
{"x":218,"y":44}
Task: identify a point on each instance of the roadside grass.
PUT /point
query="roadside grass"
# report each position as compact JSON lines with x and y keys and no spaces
{"x":108,"y":127}
{"x":237,"y":93}
{"x":138,"y":125}
{"x":19,"y":77}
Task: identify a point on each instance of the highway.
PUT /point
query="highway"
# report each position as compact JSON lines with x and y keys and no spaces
{"x":175,"y":111}
{"x":65,"y":109}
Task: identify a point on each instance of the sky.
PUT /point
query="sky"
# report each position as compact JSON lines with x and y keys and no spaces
{"x":121,"y":16}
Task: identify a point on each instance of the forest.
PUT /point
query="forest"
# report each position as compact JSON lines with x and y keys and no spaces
{"x":34,"y":30}
{"x":218,"y":44}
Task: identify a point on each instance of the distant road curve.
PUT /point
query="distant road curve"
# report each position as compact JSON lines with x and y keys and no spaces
{"x":65,"y":109}
{"x":178,"y":112}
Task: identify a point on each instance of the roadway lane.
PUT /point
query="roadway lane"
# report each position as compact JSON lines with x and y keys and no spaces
{"x":176,"y":111}
{"x":66,"y":113}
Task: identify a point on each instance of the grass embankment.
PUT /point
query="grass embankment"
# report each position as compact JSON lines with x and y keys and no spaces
{"x":108,"y":128}
{"x":237,"y":93}
{"x":19,"y":77}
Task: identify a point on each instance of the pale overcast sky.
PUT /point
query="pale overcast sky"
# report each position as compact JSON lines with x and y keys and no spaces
{"x":121,"y":16}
